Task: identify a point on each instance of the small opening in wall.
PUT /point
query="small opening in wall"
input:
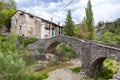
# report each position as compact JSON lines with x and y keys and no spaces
{"x":23,"y":34}
{"x":31,"y":16}
{"x":21,"y":14}
{"x":59,"y":32}
{"x":16,"y":21}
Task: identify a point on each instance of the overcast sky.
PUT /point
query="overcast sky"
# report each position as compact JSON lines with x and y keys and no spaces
{"x":103,"y":10}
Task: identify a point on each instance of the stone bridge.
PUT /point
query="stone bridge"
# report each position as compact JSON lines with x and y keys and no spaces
{"x":91,"y":53}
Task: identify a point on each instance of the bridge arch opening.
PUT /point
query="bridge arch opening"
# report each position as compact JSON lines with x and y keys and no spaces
{"x":97,"y":65}
{"x":105,"y":67}
{"x":62,"y":50}
{"x":52,"y":46}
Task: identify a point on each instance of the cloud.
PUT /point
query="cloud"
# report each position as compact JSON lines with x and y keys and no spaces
{"x":103,"y":10}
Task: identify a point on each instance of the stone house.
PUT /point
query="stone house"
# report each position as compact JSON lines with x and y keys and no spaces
{"x":28,"y":25}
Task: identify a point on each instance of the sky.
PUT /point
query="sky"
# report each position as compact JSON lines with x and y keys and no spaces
{"x":103,"y":10}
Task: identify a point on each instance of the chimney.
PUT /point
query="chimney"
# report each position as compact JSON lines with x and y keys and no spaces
{"x":58,"y":23}
{"x":51,"y":19}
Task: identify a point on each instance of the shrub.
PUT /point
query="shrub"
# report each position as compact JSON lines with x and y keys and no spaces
{"x":67,"y":52}
{"x":12,"y":67}
{"x":40,"y":77}
{"x":26,"y":41}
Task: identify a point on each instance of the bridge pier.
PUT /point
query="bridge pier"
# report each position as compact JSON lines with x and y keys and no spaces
{"x":93,"y":69}
{"x":89,"y":71}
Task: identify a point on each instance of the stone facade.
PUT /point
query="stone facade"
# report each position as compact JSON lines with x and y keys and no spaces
{"x":91,"y":53}
{"x":29,"y":25}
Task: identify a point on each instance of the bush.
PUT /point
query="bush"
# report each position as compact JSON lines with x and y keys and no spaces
{"x":40,"y":77}
{"x":67,"y":52}
{"x":105,"y":75}
{"x":76,"y":69}
{"x":12,"y":67}
{"x":26,"y":41}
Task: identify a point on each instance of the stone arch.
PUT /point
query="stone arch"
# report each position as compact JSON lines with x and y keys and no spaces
{"x":96,"y":64}
{"x":50,"y":48}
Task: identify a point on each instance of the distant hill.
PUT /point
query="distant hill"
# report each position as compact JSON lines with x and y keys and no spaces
{"x":113,"y":27}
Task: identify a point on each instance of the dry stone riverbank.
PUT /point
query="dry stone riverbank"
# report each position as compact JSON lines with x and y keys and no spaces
{"x":66,"y":73}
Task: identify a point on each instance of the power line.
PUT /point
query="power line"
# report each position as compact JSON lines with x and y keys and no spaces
{"x":67,"y":4}
{"x":63,"y":8}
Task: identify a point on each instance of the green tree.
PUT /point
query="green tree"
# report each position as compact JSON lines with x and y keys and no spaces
{"x":90,"y":20}
{"x":6,"y":17}
{"x":82,"y":31}
{"x":109,"y":37}
{"x":69,"y":26}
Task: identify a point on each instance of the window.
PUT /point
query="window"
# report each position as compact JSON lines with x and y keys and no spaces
{"x":16,"y":21}
{"x":31,"y":16}
{"x":20,"y":27}
{"x":53,"y":32}
{"x":47,"y":25}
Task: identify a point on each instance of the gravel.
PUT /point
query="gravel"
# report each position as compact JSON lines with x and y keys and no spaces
{"x":66,"y":73}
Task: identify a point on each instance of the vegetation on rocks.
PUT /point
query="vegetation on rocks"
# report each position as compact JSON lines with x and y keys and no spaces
{"x":111,"y":34}
{"x":6,"y":11}
{"x":26,"y":41}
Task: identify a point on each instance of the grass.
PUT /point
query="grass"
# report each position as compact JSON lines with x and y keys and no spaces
{"x":76,"y":69}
